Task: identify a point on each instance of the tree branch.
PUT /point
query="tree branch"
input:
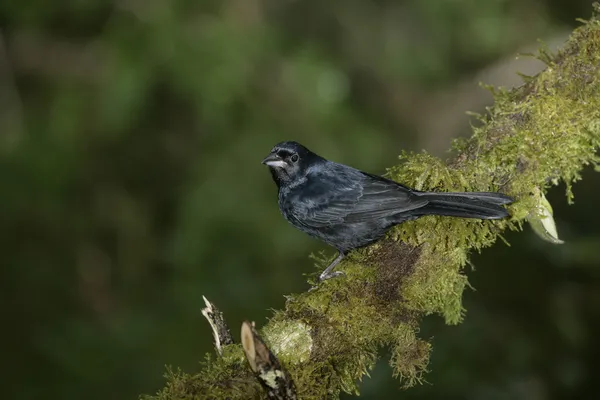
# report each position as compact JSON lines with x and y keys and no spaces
{"x":534,"y":136}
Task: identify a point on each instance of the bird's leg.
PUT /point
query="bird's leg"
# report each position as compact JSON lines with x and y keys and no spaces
{"x":327,"y":274}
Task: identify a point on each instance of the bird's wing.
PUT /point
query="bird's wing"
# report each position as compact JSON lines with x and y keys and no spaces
{"x":382,"y":198}
{"x":349,"y":196}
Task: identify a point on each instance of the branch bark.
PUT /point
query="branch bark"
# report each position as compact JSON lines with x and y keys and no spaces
{"x":268,"y":370}
{"x":221,"y":334}
{"x":535,"y":136}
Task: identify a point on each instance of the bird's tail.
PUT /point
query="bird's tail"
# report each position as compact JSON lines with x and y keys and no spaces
{"x":483,"y":205}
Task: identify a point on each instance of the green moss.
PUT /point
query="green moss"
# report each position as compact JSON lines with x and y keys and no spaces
{"x":408,"y":347}
{"x":289,"y":339}
{"x":534,"y":136}
{"x":437,"y":285}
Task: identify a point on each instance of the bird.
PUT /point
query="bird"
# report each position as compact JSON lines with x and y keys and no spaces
{"x":350,"y":209}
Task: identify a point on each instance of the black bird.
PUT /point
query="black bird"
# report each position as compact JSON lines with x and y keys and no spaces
{"x":347,"y":208}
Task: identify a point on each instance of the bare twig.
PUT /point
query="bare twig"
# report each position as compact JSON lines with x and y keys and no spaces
{"x":220,"y":330}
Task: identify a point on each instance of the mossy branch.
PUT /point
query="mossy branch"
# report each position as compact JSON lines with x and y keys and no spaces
{"x":535,"y":136}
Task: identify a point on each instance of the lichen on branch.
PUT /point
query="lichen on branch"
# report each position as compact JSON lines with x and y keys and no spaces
{"x":534,"y":136}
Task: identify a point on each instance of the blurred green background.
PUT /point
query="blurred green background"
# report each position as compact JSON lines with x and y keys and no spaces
{"x":131,"y":134}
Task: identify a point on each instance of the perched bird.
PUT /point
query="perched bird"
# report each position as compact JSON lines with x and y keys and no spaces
{"x":347,"y":208}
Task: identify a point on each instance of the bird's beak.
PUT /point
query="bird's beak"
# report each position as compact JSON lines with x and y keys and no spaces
{"x":273,"y":160}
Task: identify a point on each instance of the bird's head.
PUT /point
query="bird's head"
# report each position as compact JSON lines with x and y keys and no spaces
{"x":289,"y":161}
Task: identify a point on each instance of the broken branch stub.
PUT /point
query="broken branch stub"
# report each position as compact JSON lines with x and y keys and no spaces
{"x":268,"y":370}
{"x":221,"y":332}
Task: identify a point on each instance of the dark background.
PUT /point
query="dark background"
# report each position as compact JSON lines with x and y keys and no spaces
{"x":131,"y":134}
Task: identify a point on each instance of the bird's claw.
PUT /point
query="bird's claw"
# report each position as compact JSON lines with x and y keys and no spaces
{"x":325,"y":277}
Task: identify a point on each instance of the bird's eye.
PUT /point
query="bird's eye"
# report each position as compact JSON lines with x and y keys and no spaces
{"x":295,"y":157}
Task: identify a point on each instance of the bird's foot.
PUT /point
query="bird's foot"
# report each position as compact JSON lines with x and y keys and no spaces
{"x":330,"y":275}
{"x":325,"y":277}
{"x":327,"y":273}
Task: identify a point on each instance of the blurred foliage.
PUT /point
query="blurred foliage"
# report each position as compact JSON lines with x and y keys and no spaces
{"x":131,"y":134}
